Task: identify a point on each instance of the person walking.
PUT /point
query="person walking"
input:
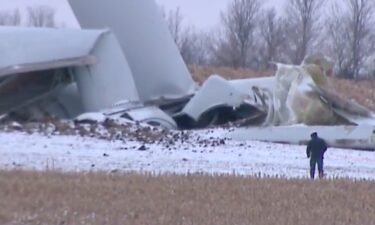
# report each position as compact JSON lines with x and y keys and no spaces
{"x":315,"y":151}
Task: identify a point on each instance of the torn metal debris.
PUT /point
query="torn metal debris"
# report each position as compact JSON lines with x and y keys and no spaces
{"x":157,"y":66}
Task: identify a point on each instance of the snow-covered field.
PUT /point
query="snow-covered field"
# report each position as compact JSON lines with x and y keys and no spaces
{"x":74,"y":153}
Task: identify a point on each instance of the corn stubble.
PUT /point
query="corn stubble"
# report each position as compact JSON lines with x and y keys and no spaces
{"x":98,"y":198}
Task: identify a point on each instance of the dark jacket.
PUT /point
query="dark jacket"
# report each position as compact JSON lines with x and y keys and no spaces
{"x":316,"y":148}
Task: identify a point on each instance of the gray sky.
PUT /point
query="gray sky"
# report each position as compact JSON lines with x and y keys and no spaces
{"x":200,"y":13}
{"x":205,"y":13}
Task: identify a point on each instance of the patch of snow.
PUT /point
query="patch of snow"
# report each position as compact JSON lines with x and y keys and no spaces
{"x":16,"y":125}
{"x":74,"y":153}
{"x":92,"y":117}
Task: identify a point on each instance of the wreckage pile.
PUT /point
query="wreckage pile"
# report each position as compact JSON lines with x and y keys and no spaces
{"x":100,"y":127}
{"x":362,"y":91}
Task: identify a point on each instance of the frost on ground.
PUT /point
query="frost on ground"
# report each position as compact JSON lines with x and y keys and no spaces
{"x":104,"y":148}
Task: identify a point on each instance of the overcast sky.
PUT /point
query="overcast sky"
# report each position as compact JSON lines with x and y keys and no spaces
{"x":200,"y":13}
{"x":204,"y":13}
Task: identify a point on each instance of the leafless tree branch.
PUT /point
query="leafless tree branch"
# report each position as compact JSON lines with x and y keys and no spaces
{"x":10,"y":18}
{"x":352,"y":36}
{"x":272,"y":32}
{"x":303,"y":18}
{"x":239,"y":24}
{"x":41,"y":16}
{"x":193,"y":45}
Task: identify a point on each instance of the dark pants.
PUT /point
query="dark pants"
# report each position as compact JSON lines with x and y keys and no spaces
{"x":313,"y":163}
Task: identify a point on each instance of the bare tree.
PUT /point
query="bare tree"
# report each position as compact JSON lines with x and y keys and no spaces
{"x":273,"y":35}
{"x":303,"y":21}
{"x":175,"y":20}
{"x":175,"y":24}
{"x":360,"y":28}
{"x":193,"y":45}
{"x":237,"y":37}
{"x":338,"y":33}
{"x":352,"y":35}
{"x":41,"y":16}
{"x":10,"y":18}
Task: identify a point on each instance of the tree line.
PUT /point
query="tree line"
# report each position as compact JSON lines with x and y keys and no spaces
{"x":251,"y":35}
{"x":36,"y":16}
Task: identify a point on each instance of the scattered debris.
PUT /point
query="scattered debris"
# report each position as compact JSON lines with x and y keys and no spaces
{"x":115,"y":130}
{"x":142,"y":148}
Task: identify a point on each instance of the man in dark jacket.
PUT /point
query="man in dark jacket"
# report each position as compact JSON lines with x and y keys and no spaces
{"x":315,"y":151}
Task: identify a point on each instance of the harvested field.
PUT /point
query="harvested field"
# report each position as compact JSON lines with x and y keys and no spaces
{"x":362,"y":92}
{"x":201,"y":73}
{"x":56,"y":198}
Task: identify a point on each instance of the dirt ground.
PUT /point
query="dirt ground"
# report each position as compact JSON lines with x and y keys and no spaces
{"x":362,"y":92}
{"x":56,"y":198}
